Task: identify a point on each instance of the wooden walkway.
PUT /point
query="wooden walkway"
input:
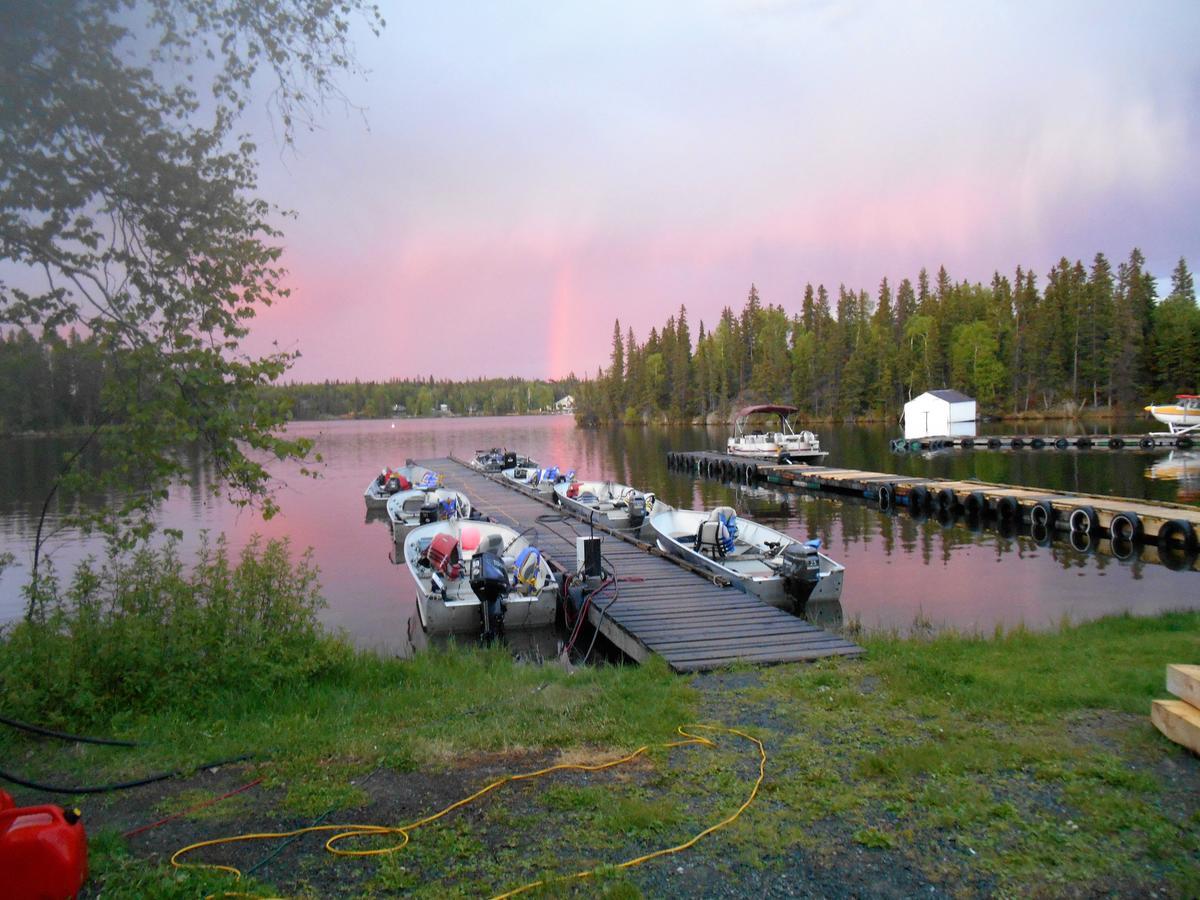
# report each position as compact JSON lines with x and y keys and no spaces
{"x":1151,"y":441}
{"x":660,"y":607}
{"x":1173,"y":527}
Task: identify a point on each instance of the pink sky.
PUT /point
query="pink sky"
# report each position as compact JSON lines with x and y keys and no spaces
{"x":522,"y":176}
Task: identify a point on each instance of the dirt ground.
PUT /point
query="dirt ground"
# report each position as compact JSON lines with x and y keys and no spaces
{"x":472,"y":854}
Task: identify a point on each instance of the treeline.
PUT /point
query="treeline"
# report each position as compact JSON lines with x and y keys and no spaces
{"x":423,"y":397}
{"x":51,"y":382}
{"x":1089,"y":336}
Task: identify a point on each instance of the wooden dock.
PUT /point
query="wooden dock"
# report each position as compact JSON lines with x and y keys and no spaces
{"x":1154,"y":441}
{"x":660,"y":607}
{"x":1171,"y":526}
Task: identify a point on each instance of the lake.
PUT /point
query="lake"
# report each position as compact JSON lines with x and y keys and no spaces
{"x":898,"y":571}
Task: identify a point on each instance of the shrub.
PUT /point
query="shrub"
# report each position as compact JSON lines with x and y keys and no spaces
{"x":140,"y":631}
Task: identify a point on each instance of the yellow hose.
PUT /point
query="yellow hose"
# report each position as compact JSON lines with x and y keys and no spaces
{"x":345,"y":832}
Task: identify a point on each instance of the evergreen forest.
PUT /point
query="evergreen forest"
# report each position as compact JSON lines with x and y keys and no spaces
{"x":1087,"y":337}
{"x":53,"y":383}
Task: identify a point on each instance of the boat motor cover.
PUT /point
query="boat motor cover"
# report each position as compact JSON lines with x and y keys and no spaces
{"x":800,"y":561}
{"x":637,"y":509}
{"x":427,"y":514}
{"x":489,"y":577}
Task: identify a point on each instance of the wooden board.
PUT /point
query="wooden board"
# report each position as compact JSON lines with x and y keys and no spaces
{"x":1179,"y":721}
{"x":1183,"y":681}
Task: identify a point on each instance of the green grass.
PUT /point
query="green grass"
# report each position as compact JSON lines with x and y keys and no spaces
{"x":1020,"y":763}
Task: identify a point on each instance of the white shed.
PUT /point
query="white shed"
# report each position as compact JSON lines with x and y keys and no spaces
{"x":939,"y":413}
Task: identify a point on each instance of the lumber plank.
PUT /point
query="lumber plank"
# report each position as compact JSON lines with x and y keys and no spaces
{"x":1183,"y":681}
{"x":1179,"y":721}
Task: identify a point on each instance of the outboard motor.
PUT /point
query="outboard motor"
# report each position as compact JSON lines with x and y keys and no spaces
{"x":509,"y":461}
{"x":800,"y":567}
{"x":429,"y":513}
{"x":637,"y":510}
{"x":489,"y":582}
{"x":393,"y":484}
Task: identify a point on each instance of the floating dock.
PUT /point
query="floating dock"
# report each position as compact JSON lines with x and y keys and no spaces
{"x":1155,"y":441}
{"x":1170,"y":526}
{"x":660,"y":607}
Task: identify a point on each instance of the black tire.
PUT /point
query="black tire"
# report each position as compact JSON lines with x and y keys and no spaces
{"x":976,"y":504}
{"x":1017,"y":443}
{"x":994,"y":443}
{"x":914,"y":447}
{"x":1083,"y":520}
{"x":1125,"y":526}
{"x":1083,"y":443}
{"x":1184,"y":443}
{"x":946,"y":499}
{"x":752,"y":472}
{"x":967,"y":444}
{"x":918,"y":499}
{"x":1062,"y":444}
{"x":1008,"y":509}
{"x":1116,"y":443}
{"x":1043,"y":514}
{"x":1037,"y":443}
{"x":1040,"y":534}
{"x":885,"y":497}
{"x":1177,"y":533}
{"x":1146,"y":443}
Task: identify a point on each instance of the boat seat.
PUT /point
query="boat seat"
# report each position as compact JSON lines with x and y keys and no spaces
{"x":708,"y":539}
{"x":412,"y":505}
{"x":493,"y":543}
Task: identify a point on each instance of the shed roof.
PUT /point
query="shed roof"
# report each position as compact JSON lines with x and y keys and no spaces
{"x":951,"y":396}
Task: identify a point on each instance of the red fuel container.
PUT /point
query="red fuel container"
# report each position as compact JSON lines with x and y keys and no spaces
{"x":43,"y":851}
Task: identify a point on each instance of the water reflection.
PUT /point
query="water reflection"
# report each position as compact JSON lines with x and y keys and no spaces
{"x":951,"y":571}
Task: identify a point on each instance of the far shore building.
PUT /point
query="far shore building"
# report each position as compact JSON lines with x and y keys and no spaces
{"x":944,"y":413}
{"x":565,"y":405}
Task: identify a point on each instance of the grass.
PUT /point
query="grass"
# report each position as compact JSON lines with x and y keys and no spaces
{"x":1020,"y":763}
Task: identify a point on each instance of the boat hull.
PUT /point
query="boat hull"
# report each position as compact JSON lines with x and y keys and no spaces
{"x":404,"y":510}
{"x":610,"y":506}
{"x":673,"y":530}
{"x":376,"y":495}
{"x":808,"y":456}
{"x":448,"y":605}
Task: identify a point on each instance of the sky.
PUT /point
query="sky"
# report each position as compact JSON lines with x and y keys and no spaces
{"x":514,"y":176}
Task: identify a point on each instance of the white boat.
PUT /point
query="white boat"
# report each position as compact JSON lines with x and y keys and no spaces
{"x":784,"y":444}
{"x":408,"y":509}
{"x":781,"y":570}
{"x":1180,"y":417}
{"x":540,"y":480}
{"x":613,"y":504}
{"x":476,"y":577}
{"x":497,"y":459}
{"x":392,"y":481}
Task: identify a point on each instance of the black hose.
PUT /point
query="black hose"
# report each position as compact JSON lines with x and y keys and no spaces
{"x":63,"y":736}
{"x":120,"y":786}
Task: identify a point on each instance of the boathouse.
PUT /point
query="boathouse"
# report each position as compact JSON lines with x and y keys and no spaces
{"x":939,"y":413}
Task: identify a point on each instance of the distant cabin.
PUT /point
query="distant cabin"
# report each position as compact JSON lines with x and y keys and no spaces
{"x":566,"y":404}
{"x":939,"y":413}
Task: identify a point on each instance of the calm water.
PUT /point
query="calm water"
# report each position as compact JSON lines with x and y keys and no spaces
{"x":898,"y":570}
